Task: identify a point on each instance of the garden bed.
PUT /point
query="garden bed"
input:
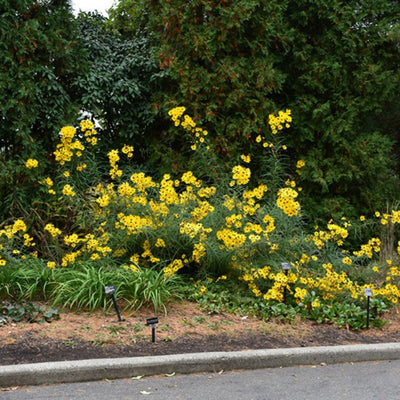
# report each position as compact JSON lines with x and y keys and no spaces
{"x":184,"y":329}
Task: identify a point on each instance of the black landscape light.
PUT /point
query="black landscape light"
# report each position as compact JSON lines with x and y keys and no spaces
{"x":111,"y":290}
{"x":152,"y":322}
{"x":369,"y":294}
{"x":286,"y":267}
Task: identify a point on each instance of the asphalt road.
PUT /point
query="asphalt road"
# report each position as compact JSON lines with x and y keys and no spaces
{"x":365,"y":381}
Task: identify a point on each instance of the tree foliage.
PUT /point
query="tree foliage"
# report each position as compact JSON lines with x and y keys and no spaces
{"x":219,"y":54}
{"x":341,"y":73}
{"x":334,"y":63}
{"x":39,"y":60}
{"x":118,"y":87}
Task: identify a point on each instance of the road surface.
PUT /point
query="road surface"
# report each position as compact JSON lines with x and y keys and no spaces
{"x":364,"y":381}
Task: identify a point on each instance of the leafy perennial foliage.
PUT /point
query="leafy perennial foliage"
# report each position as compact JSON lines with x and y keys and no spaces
{"x":179,"y":224}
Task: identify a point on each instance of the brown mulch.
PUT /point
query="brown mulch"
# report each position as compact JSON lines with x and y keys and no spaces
{"x":184,"y":329}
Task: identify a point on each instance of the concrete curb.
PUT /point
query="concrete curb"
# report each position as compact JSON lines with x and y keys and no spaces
{"x":118,"y":368}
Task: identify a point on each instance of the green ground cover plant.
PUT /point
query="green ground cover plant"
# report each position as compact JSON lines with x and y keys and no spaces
{"x":220,"y":240}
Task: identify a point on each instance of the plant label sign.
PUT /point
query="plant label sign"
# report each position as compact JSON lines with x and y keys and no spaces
{"x":109,"y":289}
{"x":368,"y":292}
{"x":285,"y":266}
{"x":152,"y":321}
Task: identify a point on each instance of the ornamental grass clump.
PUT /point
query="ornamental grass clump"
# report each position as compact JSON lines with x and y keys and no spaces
{"x":118,"y":225}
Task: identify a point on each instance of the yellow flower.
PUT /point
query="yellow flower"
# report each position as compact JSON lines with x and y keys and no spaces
{"x":300,"y":164}
{"x":19,"y":225}
{"x":286,"y":201}
{"x":241,"y":175}
{"x":245,"y":158}
{"x":68,"y":191}
{"x":81,"y":167}
{"x":347,"y":261}
{"x":203,"y":289}
{"x":128,"y":150}
{"x":31,"y":163}
{"x":86,"y":124}
{"x":160,"y":243}
{"x":54,"y":232}
{"x":51,"y":264}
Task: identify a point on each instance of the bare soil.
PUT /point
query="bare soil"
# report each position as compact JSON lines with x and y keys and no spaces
{"x":185,"y":328}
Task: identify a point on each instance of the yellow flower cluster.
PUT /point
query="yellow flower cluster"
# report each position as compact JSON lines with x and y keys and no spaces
{"x":373,"y":245}
{"x":257,"y":192}
{"x":133,"y":223}
{"x":299,"y":165}
{"x":68,"y":190}
{"x":241,"y":175}
{"x":204,"y":208}
{"x":125,"y":189}
{"x":389,"y":291}
{"x":142,"y":182}
{"x":190,"y":179}
{"x":277,"y":123}
{"x":128,"y":150}
{"x":148,"y":254}
{"x":178,"y":117}
{"x":347,"y":261}
{"x":251,"y":227}
{"x":49,"y":183}
{"x":338,"y":233}
{"x":90,"y":133}
{"x":88,"y":246}
{"x":270,"y":224}
{"x":234,"y":220}
{"x":65,"y":149}
{"x":167,"y":191}
{"x":199,"y":251}
{"x":335,"y":233}
{"x":207,"y":192}
{"x":287,"y":203}
{"x":173,"y":268}
{"x":31,"y":163}
{"x":159,"y":208}
{"x":113,"y":159}
{"x":193,"y":229}
{"x":54,"y":232}
{"x":246,"y":158}
{"x":230,"y":238}
{"x":229,"y":202}
{"x":176,"y":114}
{"x":18,"y":226}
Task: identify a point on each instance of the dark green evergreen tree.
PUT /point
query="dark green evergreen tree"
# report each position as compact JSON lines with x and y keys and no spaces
{"x":341,"y":75}
{"x":334,"y":63}
{"x":40,"y":59}
{"x":119,"y":85}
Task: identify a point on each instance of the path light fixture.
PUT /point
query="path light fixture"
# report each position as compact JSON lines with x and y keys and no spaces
{"x":111,"y":290}
{"x":368,"y":292}
{"x":286,"y":267}
{"x":152,"y":322}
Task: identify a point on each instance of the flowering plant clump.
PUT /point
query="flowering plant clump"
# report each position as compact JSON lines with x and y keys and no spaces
{"x":179,"y":225}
